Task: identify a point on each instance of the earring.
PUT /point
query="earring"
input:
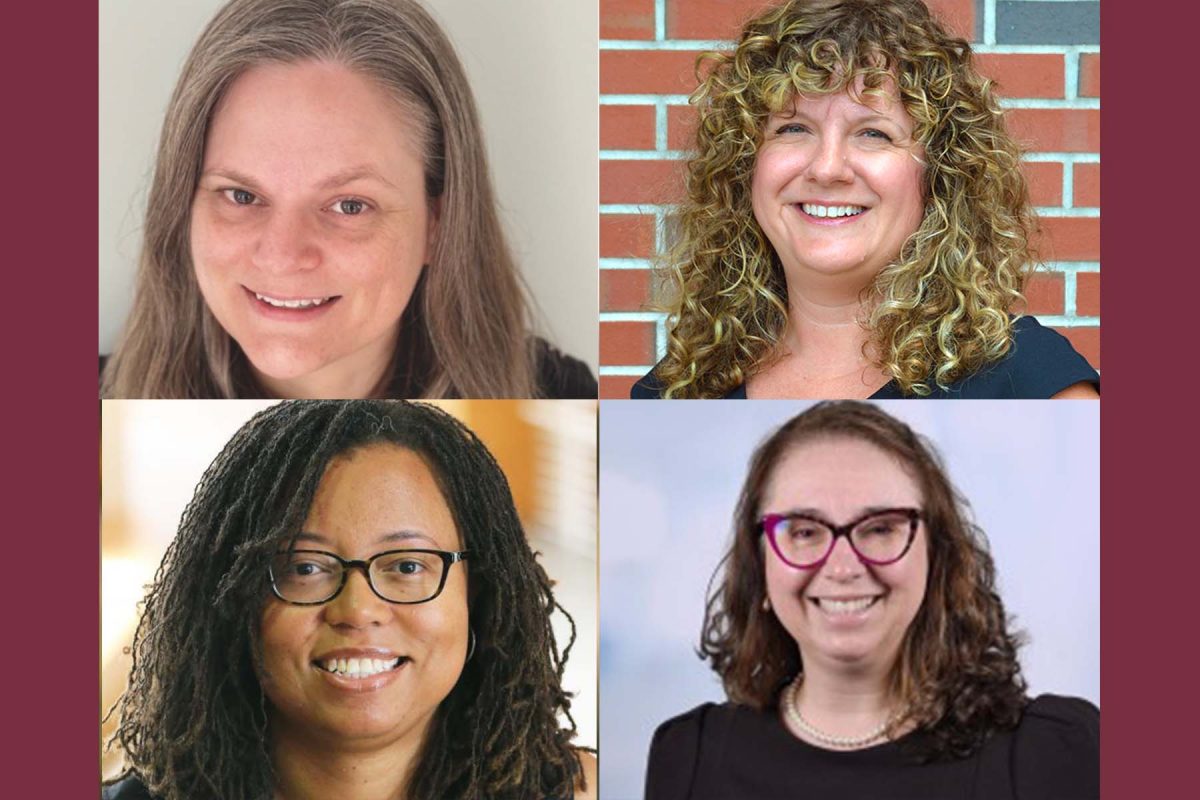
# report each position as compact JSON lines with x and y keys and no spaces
{"x":766,"y":605}
{"x":471,"y":646}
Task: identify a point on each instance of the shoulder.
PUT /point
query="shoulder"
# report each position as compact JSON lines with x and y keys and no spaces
{"x":1043,"y":362}
{"x":128,"y":788}
{"x":1056,"y":749}
{"x":648,"y":387}
{"x":675,"y":749}
{"x":587,"y":761}
{"x":559,"y":376}
{"x":1040,"y":364}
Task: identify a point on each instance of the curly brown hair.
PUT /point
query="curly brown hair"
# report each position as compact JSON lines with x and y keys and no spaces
{"x":941,"y":309}
{"x":957,"y":671}
{"x":194,"y":719}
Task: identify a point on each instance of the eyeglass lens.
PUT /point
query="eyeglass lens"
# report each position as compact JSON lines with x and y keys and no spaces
{"x":882,"y":538}
{"x":405,"y":576}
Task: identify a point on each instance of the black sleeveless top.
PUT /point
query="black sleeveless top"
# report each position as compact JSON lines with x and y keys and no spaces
{"x":1040,"y":364}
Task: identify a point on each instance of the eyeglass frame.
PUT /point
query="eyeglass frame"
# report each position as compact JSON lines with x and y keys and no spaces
{"x":769,"y":521}
{"x":449,"y":558}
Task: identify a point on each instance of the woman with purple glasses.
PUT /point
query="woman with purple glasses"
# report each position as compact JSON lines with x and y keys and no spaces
{"x":858,"y":633}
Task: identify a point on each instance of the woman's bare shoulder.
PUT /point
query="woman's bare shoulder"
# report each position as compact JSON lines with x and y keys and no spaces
{"x":590,"y":772}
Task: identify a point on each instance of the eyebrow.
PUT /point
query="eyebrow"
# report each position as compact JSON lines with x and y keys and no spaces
{"x":817,"y":513}
{"x":340,"y":178}
{"x":387,"y":538}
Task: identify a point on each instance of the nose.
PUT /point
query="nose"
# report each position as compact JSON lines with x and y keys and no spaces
{"x":843,"y":562}
{"x":356,"y":606}
{"x":286,"y":243}
{"x":830,"y":161}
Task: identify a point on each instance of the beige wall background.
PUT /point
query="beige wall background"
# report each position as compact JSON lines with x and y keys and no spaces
{"x":534,"y":71}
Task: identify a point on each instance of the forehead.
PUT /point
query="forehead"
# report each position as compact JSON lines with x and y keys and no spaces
{"x":853,"y":101}
{"x":376,"y":498}
{"x":839,"y":476}
{"x":306,"y":119}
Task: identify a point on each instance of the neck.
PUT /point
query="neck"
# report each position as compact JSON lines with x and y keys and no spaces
{"x":829,"y":336}
{"x":307,"y":768}
{"x":855,"y":693}
{"x":360,"y":375}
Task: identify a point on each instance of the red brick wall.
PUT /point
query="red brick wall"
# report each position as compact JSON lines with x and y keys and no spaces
{"x":647,"y":54}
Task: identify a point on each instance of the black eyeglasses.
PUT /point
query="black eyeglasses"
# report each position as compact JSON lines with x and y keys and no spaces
{"x":312,"y":577}
{"x":804,"y":541}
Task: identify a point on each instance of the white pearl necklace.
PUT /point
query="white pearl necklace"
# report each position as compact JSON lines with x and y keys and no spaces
{"x":792,"y":708}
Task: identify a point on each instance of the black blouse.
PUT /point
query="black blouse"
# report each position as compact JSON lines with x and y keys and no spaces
{"x":559,"y":376}
{"x":1040,"y":364}
{"x":733,"y":752}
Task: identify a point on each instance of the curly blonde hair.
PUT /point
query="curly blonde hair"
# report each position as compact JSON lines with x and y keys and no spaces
{"x":941,"y":309}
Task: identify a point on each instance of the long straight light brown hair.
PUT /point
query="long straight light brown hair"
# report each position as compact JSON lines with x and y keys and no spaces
{"x":464,"y":332}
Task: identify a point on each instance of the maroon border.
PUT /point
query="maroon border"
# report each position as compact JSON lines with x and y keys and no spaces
{"x":52,"y":439}
{"x":1149,"y":409}
{"x":1149,"y":412}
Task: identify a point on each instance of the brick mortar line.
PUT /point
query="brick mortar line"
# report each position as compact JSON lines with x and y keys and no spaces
{"x":660,"y":20}
{"x":1069,"y":307}
{"x":623,"y":371}
{"x":625,"y":264}
{"x":989,"y":21}
{"x":632,"y":316}
{"x":1068,"y":186}
{"x":1071,"y":75}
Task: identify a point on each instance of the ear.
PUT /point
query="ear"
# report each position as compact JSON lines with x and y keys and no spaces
{"x":433,"y":221}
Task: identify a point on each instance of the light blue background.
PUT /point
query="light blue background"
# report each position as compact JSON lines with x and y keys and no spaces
{"x":670,"y":473}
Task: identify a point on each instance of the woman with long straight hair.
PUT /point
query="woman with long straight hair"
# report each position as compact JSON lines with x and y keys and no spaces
{"x":321,"y":222}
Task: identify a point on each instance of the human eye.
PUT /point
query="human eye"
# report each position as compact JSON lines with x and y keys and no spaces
{"x":804,"y":529}
{"x":241,"y":197}
{"x":875,"y":133}
{"x":405,"y":565}
{"x":349,"y":206}
{"x":790,"y":127}
{"x":886,"y":525}
{"x":301,"y":568}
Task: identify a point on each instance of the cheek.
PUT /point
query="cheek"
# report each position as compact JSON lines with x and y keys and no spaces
{"x":215,"y":245}
{"x":284,"y":634}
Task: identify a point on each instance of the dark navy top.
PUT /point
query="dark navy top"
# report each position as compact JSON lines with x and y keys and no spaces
{"x":722,"y":752}
{"x":1040,"y":364}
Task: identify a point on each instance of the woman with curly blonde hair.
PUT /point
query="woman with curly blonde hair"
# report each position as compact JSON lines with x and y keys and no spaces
{"x":859,"y":635}
{"x":856,"y":221}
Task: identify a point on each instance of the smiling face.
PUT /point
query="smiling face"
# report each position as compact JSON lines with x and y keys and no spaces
{"x":837,"y":187}
{"x":845,"y":615}
{"x":310,"y":225}
{"x":375,"y":499}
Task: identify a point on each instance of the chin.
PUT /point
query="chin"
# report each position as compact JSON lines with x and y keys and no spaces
{"x":283,"y":363}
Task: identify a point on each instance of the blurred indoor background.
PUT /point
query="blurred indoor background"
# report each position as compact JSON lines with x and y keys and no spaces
{"x":153,"y":453}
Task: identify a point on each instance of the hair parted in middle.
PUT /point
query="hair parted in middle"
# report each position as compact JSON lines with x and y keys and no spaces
{"x":194,"y":719}
{"x":465,"y":330}
{"x":957,"y":671}
{"x":941,"y":309}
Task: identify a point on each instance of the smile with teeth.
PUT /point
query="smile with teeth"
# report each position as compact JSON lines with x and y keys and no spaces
{"x":831,"y":606}
{"x":814,"y":210}
{"x":360,"y":667}
{"x":307,"y":303}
